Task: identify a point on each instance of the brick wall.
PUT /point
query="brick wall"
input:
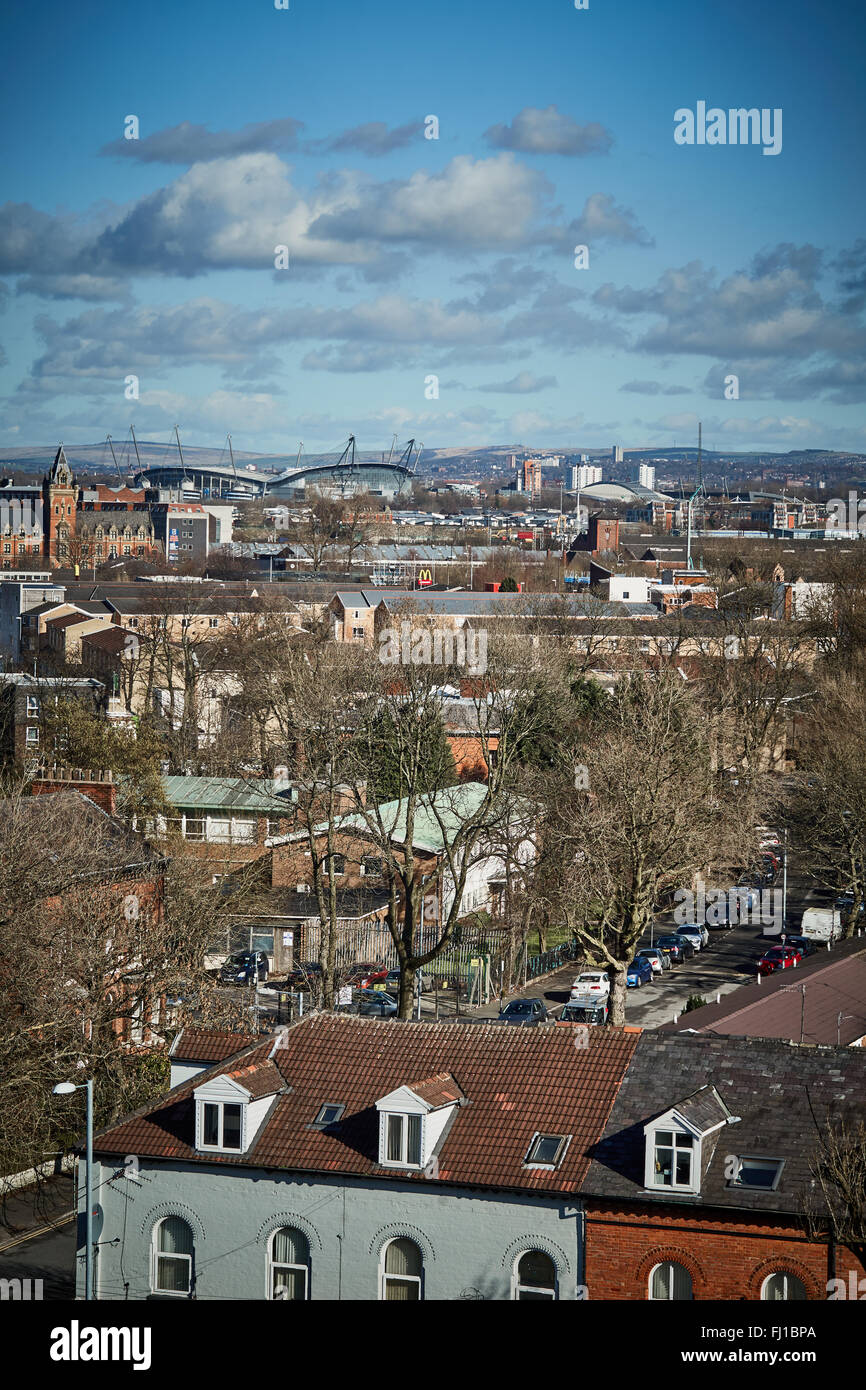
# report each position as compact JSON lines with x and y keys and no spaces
{"x":98,"y":786}
{"x":729,"y":1255}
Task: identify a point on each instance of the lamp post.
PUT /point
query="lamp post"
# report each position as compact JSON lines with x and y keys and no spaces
{"x":66,"y":1088}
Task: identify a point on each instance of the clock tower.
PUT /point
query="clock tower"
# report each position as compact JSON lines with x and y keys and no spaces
{"x":59,"y":502}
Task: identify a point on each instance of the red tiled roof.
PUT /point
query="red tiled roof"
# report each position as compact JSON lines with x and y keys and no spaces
{"x":208,"y":1045}
{"x":260,"y":1079}
{"x":517,"y":1082}
{"x":437,"y":1090}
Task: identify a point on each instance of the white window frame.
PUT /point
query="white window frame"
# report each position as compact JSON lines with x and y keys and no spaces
{"x":757,"y":1187}
{"x":786,"y":1275}
{"x":670,"y":1299}
{"x":32,"y":735}
{"x":517,"y":1287}
{"x":385,"y":1135}
{"x":33,"y":710}
{"x":220,"y":1146}
{"x":157,"y":1255}
{"x":670,"y":1126}
{"x":400,"y":1278}
{"x":273,"y":1265}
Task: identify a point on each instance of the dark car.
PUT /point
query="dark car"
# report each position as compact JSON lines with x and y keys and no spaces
{"x":679,"y":948}
{"x":804,"y":944}
{"x":244,"y":967}
{"x":524,"y":1012}
{"x":586,"y":1013}
{"x":306,"y":975}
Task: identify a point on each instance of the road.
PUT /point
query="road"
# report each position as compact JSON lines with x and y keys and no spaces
{"x":37,"y":1238}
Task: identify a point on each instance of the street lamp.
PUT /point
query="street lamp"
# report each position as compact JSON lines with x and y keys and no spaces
{"x":66,"y":1088}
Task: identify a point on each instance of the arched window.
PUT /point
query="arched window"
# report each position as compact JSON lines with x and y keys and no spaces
{"x":173,"y":1255}
{"x":289,"y":1265}
{"x":535,"y":1276}
{"x":670,"y":1281}
{"x":402,"y":1272}
{"x":783,"y":1287}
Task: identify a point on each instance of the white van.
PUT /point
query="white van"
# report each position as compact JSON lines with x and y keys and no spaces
{"x":822,"y":924}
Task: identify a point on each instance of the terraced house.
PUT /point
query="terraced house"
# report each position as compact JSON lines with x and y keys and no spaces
{"x":358,"y":1159}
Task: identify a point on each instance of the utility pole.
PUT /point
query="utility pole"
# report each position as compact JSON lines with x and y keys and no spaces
{"x":785,"y":880}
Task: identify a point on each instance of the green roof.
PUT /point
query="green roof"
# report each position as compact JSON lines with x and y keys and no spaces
{"x":454,"y":805}
{"x":228,"y":794}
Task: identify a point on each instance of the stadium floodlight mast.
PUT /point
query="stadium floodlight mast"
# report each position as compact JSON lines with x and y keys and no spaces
{"x":66,"y":1088}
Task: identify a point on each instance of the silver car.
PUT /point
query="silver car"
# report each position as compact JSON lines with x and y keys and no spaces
{"x":658,"y":959}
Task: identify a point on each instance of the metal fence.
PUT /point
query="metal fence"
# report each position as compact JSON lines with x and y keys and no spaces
{"x":550,"y":960}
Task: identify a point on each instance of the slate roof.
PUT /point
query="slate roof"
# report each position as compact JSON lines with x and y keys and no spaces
{"x":517,"y":1082}
{"x":781,"y":1094}
{"x":835,"y":984}
{"x":207,"y":1045}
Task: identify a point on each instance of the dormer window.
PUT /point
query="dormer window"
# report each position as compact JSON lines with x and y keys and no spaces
{"x":680,"y":1142}
{"x":231,"y":1108}
{"x":403,"y":1140}
{"x":414,"y":1119}
{"x":222,"y":1126}
{"x":672,"y":1159}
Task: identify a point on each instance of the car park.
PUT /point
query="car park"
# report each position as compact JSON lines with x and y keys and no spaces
{"x":523,"y":1012}
{"x":777,"y":958}
{"x":657,"y":957}
{"x":591,"y":985}
{"x":244,"y":967}
{"x":592,"y":1014}
{"x":639,"y":972}
{"x":679,"y":948}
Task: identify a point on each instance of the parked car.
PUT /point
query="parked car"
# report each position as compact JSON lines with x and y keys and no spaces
{"x":844,"y":905}
{"x":777,"y":958}
{"x":305,"y":975}
{"x":370,"y":1003}
{"x":694,"y":934}
{"x":804,"y":944}
{"x":243,"y":967}
{"x":524,"y":1012}
{"x":365,"y":974}
{"x":640,"y":972}
{"x":657,"y":957}
{"x":591,"y":985}
{"x":677,"y":947}
{"x":585,"y":1013}
{"x":392,"y":981}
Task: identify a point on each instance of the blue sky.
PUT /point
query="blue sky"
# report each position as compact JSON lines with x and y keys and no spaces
{"x":448,"y":258}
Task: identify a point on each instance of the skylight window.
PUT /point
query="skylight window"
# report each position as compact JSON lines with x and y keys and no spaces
{"x":329,"y":1115}
{"x":547,"y":1150}
{"x":758,"y":1172}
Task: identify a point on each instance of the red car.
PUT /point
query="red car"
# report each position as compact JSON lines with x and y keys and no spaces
{"x":366,"y":974}
{"x":778,"y":958}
